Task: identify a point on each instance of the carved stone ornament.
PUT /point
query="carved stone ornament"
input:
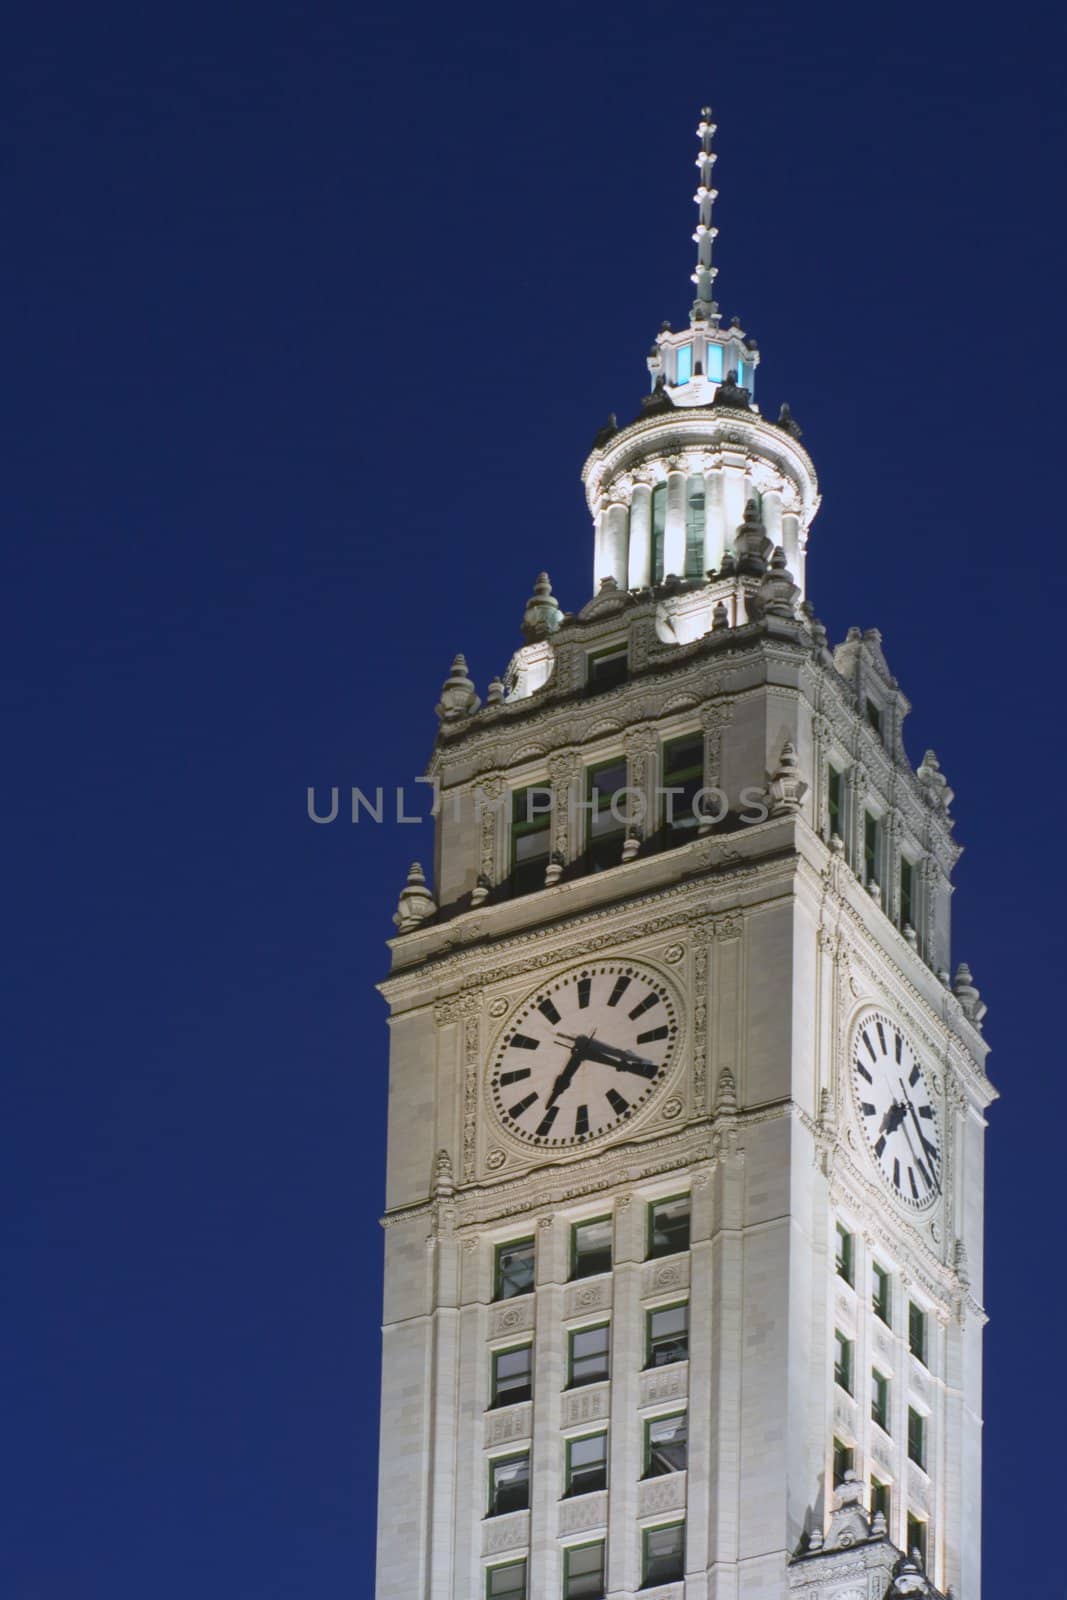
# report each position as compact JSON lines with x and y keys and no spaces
{"x":786,"y":788}
{"x":495,"y":1160}
{"x":416,"y":903}
{"x":674,"y":953}
{"x":458,"y":696}
{"x":498,"y":1007}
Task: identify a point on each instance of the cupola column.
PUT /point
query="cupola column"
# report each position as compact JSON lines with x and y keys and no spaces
{"x":714,"y":521}
{"x":640,"y":557}
{"x":790,"y":543}
{"x":615,"y":542}
{"x":674,"y":527}
{"x":733,"y":493}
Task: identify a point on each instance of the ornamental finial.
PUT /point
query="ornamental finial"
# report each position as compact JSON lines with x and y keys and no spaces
{"x":704,"y":306}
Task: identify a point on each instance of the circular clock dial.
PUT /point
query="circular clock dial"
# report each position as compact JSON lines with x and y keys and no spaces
{"x":584,"y":1054}
{"x":896,"y":1109}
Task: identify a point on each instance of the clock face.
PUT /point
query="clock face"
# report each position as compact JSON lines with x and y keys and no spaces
{"x":584,"y":1054}
{"x":896,"y":1109}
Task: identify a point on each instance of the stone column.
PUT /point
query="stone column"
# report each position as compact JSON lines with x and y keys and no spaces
{"x":772,"y":520}
{"x":733,"y":485}
{"x":549,"y":1369}
{"x":716,"y":535}
{"x":616,"y":540}
{"x":674,"y":531}
{"x":639,"y":574}
{"x":627,"y":1333}
{"x":601,"y":566}
{"x":790,"y":542}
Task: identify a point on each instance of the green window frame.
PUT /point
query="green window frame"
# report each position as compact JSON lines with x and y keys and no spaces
{"x":658,"y":530}
{"x":513,"y":1268}
{"x":918,"y":1329}
{"x":843,"y":1354}
{"x":835,"y":801}
{"x":683,"y":770}
{"x":871,"y":841}
{"x":881,"y":1294}
{"x":667,"y":1334}
{"x":881,"y":1497}
{"x":583,"y":1571}
{"x":605,"y":829}
{"x":917,"y":1437}
{"x":916,"y":1538}
{"x":512,"y":1378}
{"x":844,"y":1460}
{"x":509,"y":1483}
{"x":880,"y":1399}
{"x":666,"y":1444}
{"x":531,"y":837}
{"x":591,"y":1247}
{"x":663,"y":1553}
{"x":907,"y":893}
{"x":507,"y":1581}
{"x":845,"y":1254}
{"x":669,"y":1226}
{"x":586,"y":1463}
{"x":606,"y":668}
{"x":588,"y":1354}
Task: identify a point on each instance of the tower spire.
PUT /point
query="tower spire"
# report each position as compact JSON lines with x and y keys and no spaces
{"x":705,"y":308}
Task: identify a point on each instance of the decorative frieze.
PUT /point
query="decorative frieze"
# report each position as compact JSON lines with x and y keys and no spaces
{"x":590,"y":1404}
{"x":662,"y":1277}
{"x":511,"y":1532}
{"x":584,"y":1297}
{"x":664,"y":1383}
{"x":513,"y":1316}
{"x":509,"y":1424}
{"x":666,"y":1493}
{"x":584,"y":1512}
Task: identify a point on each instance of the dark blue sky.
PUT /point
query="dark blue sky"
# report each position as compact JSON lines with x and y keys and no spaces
{"x":310,"y":316}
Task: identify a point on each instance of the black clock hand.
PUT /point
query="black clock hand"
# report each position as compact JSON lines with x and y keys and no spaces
{"x":566,"y":1077}
{"x":892,"y":1119}
{"x":931,"y":1150}
{"x":622,"y":1060}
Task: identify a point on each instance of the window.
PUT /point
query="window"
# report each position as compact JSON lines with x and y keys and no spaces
{"x":835,"y":802}
{"x":845,"y":1254}
{"x":879,"y":1498}
{"x":844,"y":1460}
{"x":713,"y":362}
{"x":583,"y":1572}
{"x":666,"y":1444}
{"x":881,"y":1291}
{"x":907,"y":893}
{"x":589,"y":1359}
{"x":506,"y":1583}
{"x":659,"y":524}
{"x":512,"y":1375}
{"x":880,"y":1399}
{"x":874,"y":716}
{"x":531,"y":834}
{"x":917,"y":1437}
{"x":664,"y":1554}
{"x":870,"y":847}
{"x":591,"y":1248}
{"x":917,"y":1537}
{"x":513,"y":1269}
{"x":606,"y":668}
{"x":683,"y":363}
{"x":843,"y":1362}
{"x":917,"y":1331}
{"x":668,"y":1226}
{"x":668,"y":1336}
{"x":509,"y":1484}
{"x":606,"y":827}
{"x":587,"y":1464}
{"x":694,"y":527}
{"x":683,"y":778}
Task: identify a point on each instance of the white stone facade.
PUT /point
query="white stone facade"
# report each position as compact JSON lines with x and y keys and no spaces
{"x":771,"y":934}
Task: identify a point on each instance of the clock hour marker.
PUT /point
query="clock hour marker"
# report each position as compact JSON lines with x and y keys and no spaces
{"x":879,"y":1145}
{"x":862,"y":1070}
{"x":547,"y":1009}
{"x":867,"y":1109}
{"x":881,"y":1038}
{"x":646,"y":1004}
{"x":617,"y":1101}
{"x":911,"y":1180}
{"x":926,"y":1178}
{"x":913,"y":1076}
{"x":621,"y":986}
{"x":926,"y":1111}
{"x":544,"y":1127}
{"x":522,"y":1041}
{"x":896,"y":1172}
{"x":581,"y":1122}
{"x":899,"y":1046}
{"x":522,"y":1105}
{"x":585,"y":986}
{"x":515,"y":1076}
{"x":865,"y":1036}
{"x":652,"y":1034}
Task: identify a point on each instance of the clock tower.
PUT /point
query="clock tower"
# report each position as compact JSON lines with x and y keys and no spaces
{"x":683,"y":1265}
